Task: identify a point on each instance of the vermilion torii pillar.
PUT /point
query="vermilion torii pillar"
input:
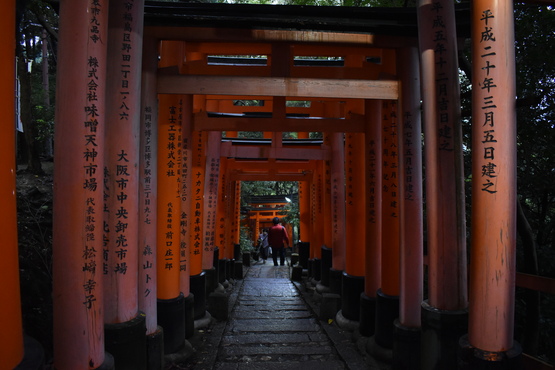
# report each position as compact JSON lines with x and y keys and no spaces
{"x":304,"y":211}
{"x":406,"y":339}
{"x":78,"y":200}
{"x":337,"y":210}
{"x":11,"y":342}
{"x":198,"y":179}
{"x":490,"y":344}
{"x":148,"y":193}
{"x":387,"y":303}
{"x":444,"y":314}
{"x":121,"y":187}
{"x":171,"y":306}
{"x":186,"y":212}
{"x":212,"y":169}
{"x":352,"y":284}
{"x":372,"y":216}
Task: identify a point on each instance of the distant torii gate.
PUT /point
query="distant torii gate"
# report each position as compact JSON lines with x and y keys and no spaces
{"x":193,"y":199}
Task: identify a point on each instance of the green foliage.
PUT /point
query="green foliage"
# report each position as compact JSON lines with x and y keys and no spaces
{"x":246,"y":240}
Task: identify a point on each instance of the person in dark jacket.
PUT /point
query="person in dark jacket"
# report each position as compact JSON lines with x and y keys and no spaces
{"x":278,"y":240}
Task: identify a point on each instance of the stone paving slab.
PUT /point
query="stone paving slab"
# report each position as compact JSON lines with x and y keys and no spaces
{"x":273,"y":338}
{"x":277,"y":349}
{"x":289,"y":365}
{"x":272,"y":314}
{"x":283,"y":325}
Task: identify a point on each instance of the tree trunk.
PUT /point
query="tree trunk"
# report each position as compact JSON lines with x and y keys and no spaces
{"x":33,"y":158}
{"x":530,"y":336}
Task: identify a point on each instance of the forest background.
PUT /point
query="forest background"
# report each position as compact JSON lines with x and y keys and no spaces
{"x":37,"y":34}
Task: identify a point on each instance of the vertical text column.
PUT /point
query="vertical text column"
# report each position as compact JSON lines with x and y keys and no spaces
{"x":148,"y":189}
{"x":492,"y":278}
{"x":372,"y":215}
{"x":78,"y":202}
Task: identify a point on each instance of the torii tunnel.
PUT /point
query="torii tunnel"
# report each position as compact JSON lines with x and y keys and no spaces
{"x":148,"y":173}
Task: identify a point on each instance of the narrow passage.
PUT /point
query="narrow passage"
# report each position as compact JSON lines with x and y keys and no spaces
{"x":271,"y":327}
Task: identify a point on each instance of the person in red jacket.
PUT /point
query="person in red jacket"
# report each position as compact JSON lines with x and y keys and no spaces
{"x":278,"y":240}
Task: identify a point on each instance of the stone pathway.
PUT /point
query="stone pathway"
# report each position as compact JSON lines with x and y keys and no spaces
{"x":270,"y":327}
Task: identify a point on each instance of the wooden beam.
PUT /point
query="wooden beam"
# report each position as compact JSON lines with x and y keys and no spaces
{"x":201,"y":122}
{"x":243,"y":176}
{"x":239,"y":151}
{"x":277,"y":86}
{"x":204,"y":34}
{"x":265,"y":166}
{"x":535,"y":282}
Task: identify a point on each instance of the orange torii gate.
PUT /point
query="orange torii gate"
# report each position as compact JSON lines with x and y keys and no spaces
{"x":361,"y":95}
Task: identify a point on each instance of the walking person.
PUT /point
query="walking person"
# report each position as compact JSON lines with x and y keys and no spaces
{"x":278,"y":240}
{"x":263,"y":242}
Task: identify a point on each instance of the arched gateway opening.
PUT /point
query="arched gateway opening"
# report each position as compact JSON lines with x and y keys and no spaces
{"x":147,"y":184}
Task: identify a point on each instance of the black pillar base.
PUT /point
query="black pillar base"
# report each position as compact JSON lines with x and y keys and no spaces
{"x":472,"y":358}
{"x":317,"y":269}
{"x":108,"y":363}
{"x":33,"y":355}
{"x":304,"y":253}
{"x":171,"y":317}
{"x":237,"y":252}
{"x":335,"y":281}
{"x":189,"y":303}
{"x":218,"y":303}
{"x":198,"y":289}
{"x":211,"y":280}
{"x":367,"y":318}
{"x":222,"y":270}
{"x":297,"y":273}
{"x":351,"y":289}
{"x":325,"y":266}
{"x":387,"y":311}
{"x":230,"y":269}
{"x":126,"y":341}
{"x":406,"y":347}
{"x":247,"y":259}
{"x":155,"y":350}
{"x":441,"y":331}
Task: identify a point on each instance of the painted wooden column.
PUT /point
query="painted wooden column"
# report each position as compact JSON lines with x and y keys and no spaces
{"x":11,"y":342}
{"x":337,"y":210}
{"x":124,"y":326}
{"x":352,"y":284}
{"x":326,"y":173}
{"x":304,"y":211}
{"x":372,"y":215}
{"x":171,"y":306}
{"x":220,"y":234}
{"x":78,"y":199}
{"x":186,"y":214}
{"x":198,"y":178}
{"x":318,"y":223}
{"x":445,"y":312}
{"x":237,"y":212}
{"x":197,"y":203}
{"x":223,"y":198}
{"x":212,"y":169}
{"x":387,"y":303}
{"x":148,"y":193}
{"x":406,"y":340}
{"x":490,"y":341}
